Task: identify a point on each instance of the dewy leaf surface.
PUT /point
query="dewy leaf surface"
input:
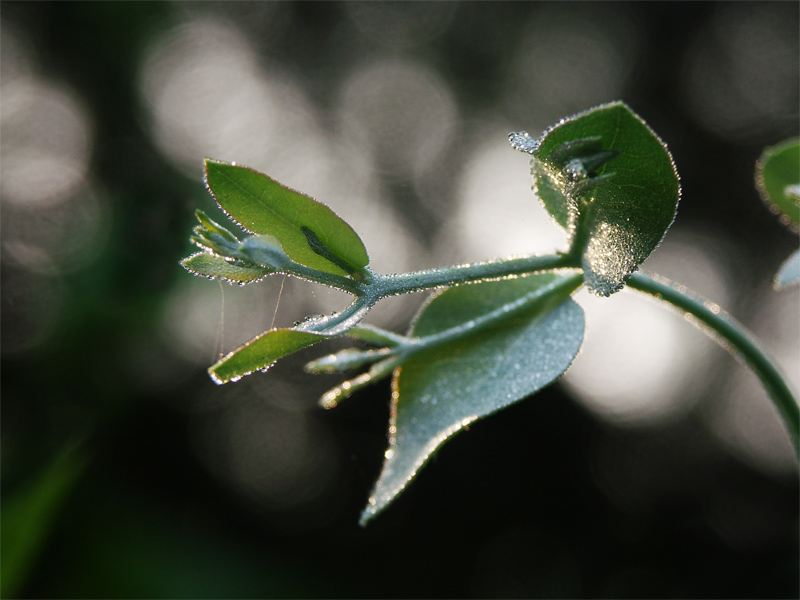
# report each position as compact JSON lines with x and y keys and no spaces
{"x":778,"y":181}
{"x":261,"y":352}
{"x":628,"y":203}
{"x":438,"y":391}
{"x":309,"y":232}
{"x":216,"y":267}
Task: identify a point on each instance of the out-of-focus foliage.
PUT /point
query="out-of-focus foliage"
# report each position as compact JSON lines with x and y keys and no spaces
{"x":778,"y":181}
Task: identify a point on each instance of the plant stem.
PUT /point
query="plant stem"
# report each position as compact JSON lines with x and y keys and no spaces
{"x":417,"y":281}
{"x":738,"y":338}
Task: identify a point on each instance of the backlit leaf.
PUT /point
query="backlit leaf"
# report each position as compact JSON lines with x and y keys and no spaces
{"x":216,"y":267}
{"x":778,"y":181}
{"x":309,"y":232}
{"x":605,"y":176}
{"x":260,"y":353}
{"x":440,"y":390}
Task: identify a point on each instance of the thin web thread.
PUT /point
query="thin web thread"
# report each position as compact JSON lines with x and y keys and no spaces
{"x":278,"y":303}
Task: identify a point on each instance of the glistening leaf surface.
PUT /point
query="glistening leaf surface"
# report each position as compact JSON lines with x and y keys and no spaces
{"x":261,"y":352}
{"x":216,"y":267}
{"x":440,"y":390}
{"x":778,"y":181}
{"x":309,"y":232}
{"x":631,"y":200}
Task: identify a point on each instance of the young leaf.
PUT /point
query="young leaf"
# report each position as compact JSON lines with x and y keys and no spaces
{"x":441,"y":389}
{"x":778,"y":181}
{"x":260,"y":353}
{"x":309,"y":232}
{"x":789,"y":273}
{"x":607,"y":177}
{"x":216,"y":267}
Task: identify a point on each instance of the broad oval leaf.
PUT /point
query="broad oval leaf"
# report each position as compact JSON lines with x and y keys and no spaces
{"x":309,"y":232}
{"x":624,"y":206}
{"x":438,"y":391}
{"x":216,"y":267}
{"x":260,"y":353}
{"x":778,"y":181}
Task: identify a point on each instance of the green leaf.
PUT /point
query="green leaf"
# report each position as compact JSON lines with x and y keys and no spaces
{"x":344,"y":390}
{"x":443,"y":388}
{"x":28,"y":515}
{"x":375,"y":336}
{"x":789,"y":273}
{"x":216,"y":267}
{"x":260,"y":353}
{"x":605,"y":176}
{"x":309,"y":232}
{"x":778,"y":181}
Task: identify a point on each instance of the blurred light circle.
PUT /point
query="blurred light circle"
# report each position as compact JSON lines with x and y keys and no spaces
{"x":745,"y":419}
{"x":15,"y":55}
{"x":71,"y":233}
{"x":573,"y":56}
{"x":402,"y":111}
{"x":401,"y":24}
{"x":33,"y":298}
{"x":641,"y":364}
{"x":497,"y":213}
{"x":281,"y":460}
{"x":203,"y":319}
{"x":205,"y":95}
{"x":741,"y":81}
{"x":45,"y":144}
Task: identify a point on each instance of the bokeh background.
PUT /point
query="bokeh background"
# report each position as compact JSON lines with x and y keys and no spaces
{"x":656,"y":468}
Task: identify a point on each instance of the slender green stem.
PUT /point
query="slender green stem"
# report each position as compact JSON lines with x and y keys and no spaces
{"x":340,"y":282}
{"x":339,"y":323}
{"x":417,"y":281}
{"x":738,"y":338}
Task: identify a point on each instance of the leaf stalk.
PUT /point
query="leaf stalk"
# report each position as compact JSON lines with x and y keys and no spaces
{"x":738,"y":338}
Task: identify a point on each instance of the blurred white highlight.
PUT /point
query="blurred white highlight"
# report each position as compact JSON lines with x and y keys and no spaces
{"x":641,"y":364}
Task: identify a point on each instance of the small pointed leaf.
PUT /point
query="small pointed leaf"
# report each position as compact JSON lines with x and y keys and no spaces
{"x":440,"y":390}
{"x":374,"y":336}
{"x":260,"y":353}
{"x":778,"y":181}
{"x":216,"y":267}
{"x":309,"y":232}
{"x":606,"y":177}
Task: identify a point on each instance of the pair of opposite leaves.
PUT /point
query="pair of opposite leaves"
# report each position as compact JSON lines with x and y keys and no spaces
{"x":603,"y":175}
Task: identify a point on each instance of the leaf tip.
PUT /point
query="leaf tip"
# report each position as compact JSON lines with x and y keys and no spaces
{"x":523,"y":141}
